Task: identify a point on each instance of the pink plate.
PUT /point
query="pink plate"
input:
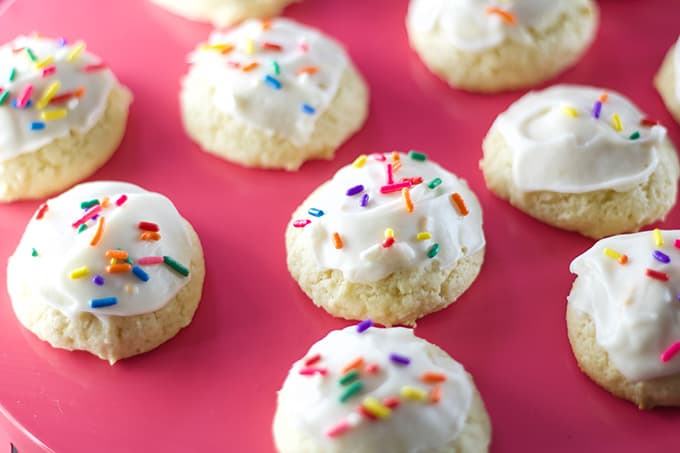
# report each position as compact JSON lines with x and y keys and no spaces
{"x":213,"y":387}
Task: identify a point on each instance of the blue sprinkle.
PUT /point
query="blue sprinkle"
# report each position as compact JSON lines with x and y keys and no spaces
{"x":37,"y":126}
{"x":98,"y":280}
{"x":272,"y":82}
{"x":355,"y":190}
{"x":62,"y":42}
{"x":308,"y":109}
{"x":364,"y":325}
{"x":661,"y":257}
{"x":140,"y":274}
{"x":315,"y":212}
{"x":103,"y":302}
{"x":28,"y":104}
{"x":364,"y":200}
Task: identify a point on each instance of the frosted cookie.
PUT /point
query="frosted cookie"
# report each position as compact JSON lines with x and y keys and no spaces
{"x":365,"y":390}
{"x":272,"y":94}
{"x":667,"y":81}
{"x":62,"y":116}
{"x":224,"y":12}
{"x":108,"y":268}
{"x":391,"y":237}
{"x":493,"y":45}
{"x":581,"y":159}
{"x":623,"y":313}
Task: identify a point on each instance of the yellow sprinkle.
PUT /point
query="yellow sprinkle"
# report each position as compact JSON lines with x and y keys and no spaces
{"x":376,"y":408}
{"x":658,"y":239}
{"x":44,"y":63}
{"x":75,"y":52}
{"x":617,"y":122}
{"x":113,"y":261}
{"x":48,"y":94}
{"x":423,"y":236}
{"x":250,"y":46}
{"x":412,"y":393}
{"x":80,"y":272}
{"x":612,"y":253}
{"x":570,"y":111}
{"x":217,"y":47}
{"x":50,"y":115}
{"x":359,"y":161}
{"x":389,"y":233}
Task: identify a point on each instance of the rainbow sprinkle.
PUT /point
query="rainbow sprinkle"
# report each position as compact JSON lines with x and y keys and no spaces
{"x":272,"y":82}
{"x":399,"y":359}
{"x":656,"y":275}
{"x":175,"y":266}
{"x":308,"y":109}
{"x":669,"y":353}
{"x":103,"y":302}
{"x":658,"y":238}
{"x":622,"y":259}
{"x":364,"y":325}
{"x":355,"y":190}
{"x":661,"y":257}
{"x":434,"y":251}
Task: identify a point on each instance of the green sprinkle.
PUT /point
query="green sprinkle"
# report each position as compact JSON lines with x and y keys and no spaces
{"x":349,"y":377}
{"x":635,"y":135}
{"x":82,"y":228}
{"x":434,"y":250}
{"x":277,"y":68}
{"x":3,"y":97}
{"x":434,"y":183}
{"x":176,"y":266}
{"x":30,"y":54}
{"x":415,"y":155}
{"x":88,"y":204}
{"x":12,"y":74}
{"x":34,"y":252}
{"x":354,"y":388}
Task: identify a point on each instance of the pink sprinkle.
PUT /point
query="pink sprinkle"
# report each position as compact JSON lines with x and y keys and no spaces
{"x":677,"y":243}
{"x":389,"y":188}
{"x":301,"y":223}
{"x":390,"y":174}
{"x":670,"y":352}
{"x":313,"y":359}
{"x":25,"y":95}
{"x":338,"y":429}
{"x":48,"y":71}
{"x":121,"y":200}
{"x":372,"y":368}
{"x":379,"y":157}
{"x":234,"y":64}
{"x":311,"y":370}
{"x":150,"y":260}
{"x":304,"y":46}
{"x":41,"y":211}
{"x":93,"y":211}
{"x":94,"y":67}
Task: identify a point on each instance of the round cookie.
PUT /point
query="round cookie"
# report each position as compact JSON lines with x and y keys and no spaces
{"x":272,"y":94}
{"x":581,"y":159}
{"x":224,"y":12}
{"x":364,"y":389}
{"x":108,"y":268}
{"x":62,"y":116}
{"x":392,"y":237}
{"x":487,"y":46}
{"x":622,"y":316}
{"x":667,"y":81}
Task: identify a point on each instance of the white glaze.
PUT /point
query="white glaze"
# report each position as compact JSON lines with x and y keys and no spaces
{"x":313,"y":405}
{"x":16,"y":135}
{"x":61,"y":249}
{"x":554,"y":151}
{"x":362,"y":229}
{"x":636,"y":317}
{"x":248,"y":98}
{"x":468,"y":27}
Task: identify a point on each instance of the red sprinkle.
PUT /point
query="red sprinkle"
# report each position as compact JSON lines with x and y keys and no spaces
{"x":372,"y":368}
{"x":94,"y":67}
{"x":310,"y":371}
{"x":272,"y":46}
{"x":41,"y":211}
{"x":657,"y":275}
{"x":48,"y":71}
{"x":362,"y":410}
{"x":301,"y":223}
{"x":388,"y":242}
{"x":148,"y":226}
{"x":414,"y":181}
{"x":389,"y":188}
{"x":313,"y":359}
{"x":391,"y":402}
{"x":677,"y":243}
{"x":649,"y":122}
{"x":122,"y":199}
{"x":68,"y":95}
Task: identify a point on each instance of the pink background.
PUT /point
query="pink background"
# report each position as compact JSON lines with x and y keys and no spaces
{"x":213,"y":388}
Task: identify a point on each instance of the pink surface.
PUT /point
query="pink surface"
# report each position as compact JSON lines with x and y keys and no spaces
{"x":213,"y":387}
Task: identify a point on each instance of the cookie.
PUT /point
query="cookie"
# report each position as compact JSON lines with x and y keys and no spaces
{"x":667,"y":81}
{"x":224,"y":12}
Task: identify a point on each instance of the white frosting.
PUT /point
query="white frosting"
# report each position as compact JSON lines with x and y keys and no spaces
{"x":636,"y":317}
{"x":16,"y":134}
{"x":61,"y":249}
{"x":556,"y":151}
{"x":313,"y":402}
{"x":249,"y":98}
{"x":362,"y":257}
{"x":468,"y":26}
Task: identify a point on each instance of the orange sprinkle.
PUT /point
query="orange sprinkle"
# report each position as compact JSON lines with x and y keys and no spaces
{"x":396,"y":161}
{"x":436,"y":394}
{"x":307,"y":70}
{"x":432,"y":377}
{"x":337,"y":241}
{"x":458,"y":202}
{"x":406,"y":194}
{"x":266,"y":24}
{"x":353,"y":365}
{"x":79,"y":92}
{"x":105,"y":202}
{"x":149,"y":236}
{"x":250,"y":66}
{"x":98,"y":234}
{"x":117,"y":254}
{"x":603,"y":97}
{"x":507,"y":17}
{"x":623,"y":259}
{"x":118,"y":268}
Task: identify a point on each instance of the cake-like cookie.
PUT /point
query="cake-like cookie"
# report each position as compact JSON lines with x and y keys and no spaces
{"x":62,"y":116}
{"x":391,"y":237}
{"x":667,"y":81}
{"x":582,"y":159}
{"x":490,"y":46}
{"x":623,"y":316}
{"x":108,"y":268}
{"x":365,"y":390}
{"x":224,"y":12}
{"x":272,"y":94}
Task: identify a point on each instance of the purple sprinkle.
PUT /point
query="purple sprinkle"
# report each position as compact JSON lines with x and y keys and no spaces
{"x":597,"y":109}
{"x":355,"y":190}
{"x":400,"y":359}
{"x":364,"y":325}
{"x":364,"y":200}
{"x":98,"y":280}
{"x":62,"y":42}
{"x":679,"y":297}
{"x":660,"y":256}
